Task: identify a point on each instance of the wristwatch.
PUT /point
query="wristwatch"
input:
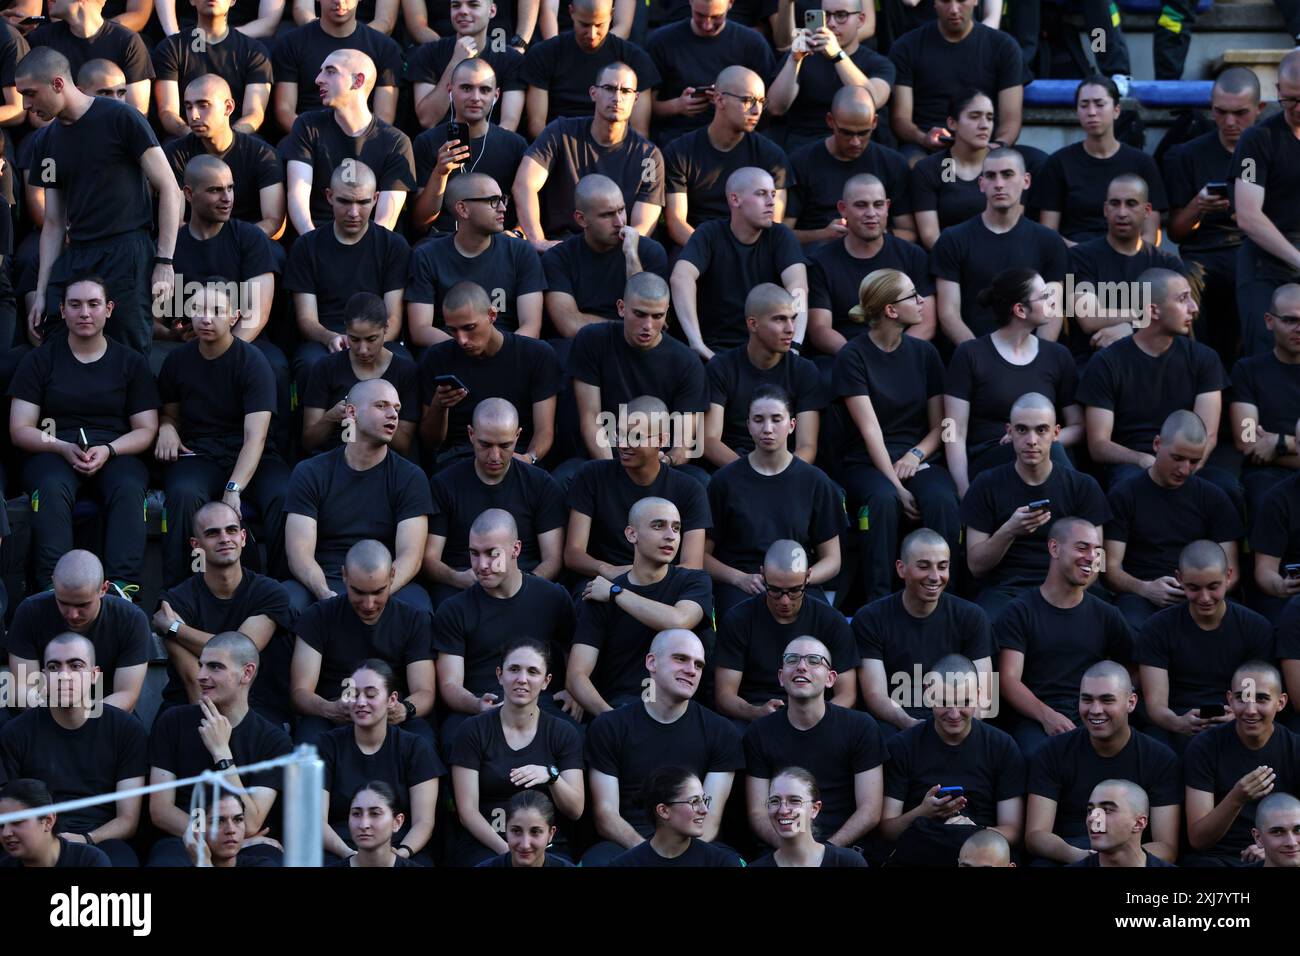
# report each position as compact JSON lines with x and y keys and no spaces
{"x":112,"y":452}
{"x":174,"y":628}
{"x":233,"y":487}
{"x":1281,"y":446}
{"x":839,"y":56}
{"x":518,"y":41}
{"x":410,"y":709}
{"x":615,"y":590}
{"x":224,"y":764}
{"x":162,"y":261}
{"x":554,"y":771}
{"x":920,"y":455}
{"x":532,"y":457}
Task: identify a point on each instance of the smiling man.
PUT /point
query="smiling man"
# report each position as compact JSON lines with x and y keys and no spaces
{"x":1118,"y":811}
{"x":1277,"y":830}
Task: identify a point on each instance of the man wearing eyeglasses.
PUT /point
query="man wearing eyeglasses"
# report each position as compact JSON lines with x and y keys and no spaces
{"x":823,"y":168}
{"x":571,"y":147}
{"x":967,"y":257}
{"x":1266,"y":194}
{"x":699,"y":163}
{"x":753,"y":635}
{"x":689,"y":54}
{"x":841,"y":747}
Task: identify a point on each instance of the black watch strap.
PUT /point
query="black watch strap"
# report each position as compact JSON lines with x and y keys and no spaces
{"x":224,"y":764}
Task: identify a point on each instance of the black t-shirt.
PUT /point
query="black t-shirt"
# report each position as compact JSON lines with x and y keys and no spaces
{"x":501,"y":162}
{"x":332,"y":271}
{"x":1066,"y":769}
{"x":1216,"y":759}
{"x":253,"y":164}
{"x":997,"y":492}
{"x":728,"y":269}
{"x":819,"y":183}
{"x":886,"y":632}
{"x":684,"y":58}
{"x":627,"y":743}
{"x":937,"y":189}
{"x":238,"y":59}
{"x":567,"y":72}
{"x":176,"y":747}
{"x":623,"y":641}
{"x":1288,"y":631}
{"x":751,"y":641}
{"x":299,"y":54}
{"x":120,"y":633}
{"x":99,"y":396}
{"x":1187,"y":168}
{"x":972,"y":254}
{"x":987,"y":765}
{"x":832,"y":856}
{"x":103,"y":188}
{"x":603,"y":491}
{"x":670,"y":371}
{"x":71,"y":855}
{"x":481,"y":745}
{"x":834,"y":275}
{"x":238,"y":252}
{"x":1200,"y":663}
{"x":979,"y":375}
{"x":819,"y":81}
{"x":439,"y":12}
{"x":403,"y":635}
{"x":427,"y":62}
{"x":350,"y":505}
{"x":317,"y":140}
{"x":1059,"y":644}
{"x":1268,"y":155}
{"x":331,"y":378}
{"x":403,"y":761}
{"x":1073,"y":182}
{"x":937,"y":69}
{"x":1157,"y":523}
{"x":693,"y":165}
{"x":1277,"y":525}
{"x":523,"y":371}
{"x":1093,"y":860}
{"x":698,"y":853}
{"x":1143,"y":390}
{"x":476,"y":626}
{"x":112,"y":42}
{"x":214,"y":395}
{"x":507,"y":269}
{"x":1272,"y":386}
{"x":842,"y":744}
{"x":504,"y":859}
{"x":1097,"y":261}
{"x":527,"y":492}
{"x":751,"y":510}
{"x":596,"y":280}
{"x":733,"y":379}
{"x":568,"y":151}
{"x":106,"y":749}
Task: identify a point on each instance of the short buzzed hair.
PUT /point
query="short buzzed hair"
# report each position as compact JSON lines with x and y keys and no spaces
{"x":353,"y":172}
{"x":638,"y":510}
{"x":1034,"y":400}
{"x":43,"y":64}
{"x":1258,"y":667}
{"x":70,"y":637}
{"x":202,"y":167}
{"x":1006,"y":152}
{"x":786,"y":556}
{"x":1203,"y":555}
{"x":1135,"y":796}
{"x":99,"y":70}
{"x":494,"y":411}
{"x":591,"y":187}
{"x":1110,"y":670}
{"x":494,"y":520}
{"x":216,"y":82}
{"x":989,"y":841}
{"x":1131,"y":179}
{"x":1288,"y":290}
{"x":826,"y":653}
{"x":921,"y":538}
{"x":1287,"y":69}
{"x":616,"y":65}
{"x":368,"y":556}
{"x":239,"y":646}
{"x":1063,"y":527}
{"x":672,"y":633}
{"x":197,"y":524}
{"x":79,"y":569}
{"x":1161,"y":282}
{"x":1277,"y":802}
{"x":767,"y":297}
{"x":1236,"y":80}
{"x":853,"y":97}
{"x":475,"y":63}
{"x":862,"y":180}
{"x":744,"y":179}
{"x":648,"y":287}
{"x":460,"y":188}
{"x":362,"y":392}
{"x":467,"y":293}
{"x":1185,"y":425}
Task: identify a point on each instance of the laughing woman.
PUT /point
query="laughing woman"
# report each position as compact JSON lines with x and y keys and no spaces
{"x":793,"y":802}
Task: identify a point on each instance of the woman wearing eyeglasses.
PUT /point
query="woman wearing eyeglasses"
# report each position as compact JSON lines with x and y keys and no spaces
{"x":676,"y":802}
{"x":946,"y":185}
{"x":988,"y":374}
{"x":892,"y":386}
{"x":793,"y":803}
{"x":768,"y":495}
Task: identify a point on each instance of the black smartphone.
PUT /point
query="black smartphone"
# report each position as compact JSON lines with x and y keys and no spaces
{"x":33,"y":21}
{"x":951,"y":792}
{"x":1291,"y":570}
{"x":814,"y":20}
{"x":1041,"y":504}
{"x":451,"y":381}
{"x":458,"y":130}
{"x":705,"y":90}
{"x":1210,"y":710}
{"x":1217,"y":189}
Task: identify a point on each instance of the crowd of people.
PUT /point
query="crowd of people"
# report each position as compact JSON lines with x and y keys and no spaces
{"x":673,"y":434}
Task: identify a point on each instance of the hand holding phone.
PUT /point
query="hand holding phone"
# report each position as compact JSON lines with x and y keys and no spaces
{"x":1210,"y":711}
{"x":814,"y":20}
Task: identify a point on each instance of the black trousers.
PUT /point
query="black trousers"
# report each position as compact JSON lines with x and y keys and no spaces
{"x":125,"y":263}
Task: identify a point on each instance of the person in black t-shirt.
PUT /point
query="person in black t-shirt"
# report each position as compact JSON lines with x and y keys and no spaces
{"x":1275,"y":540}
{"x":794,"y":802}
{"x":618,"y":620}
{"x":80,"y":748}
{"x":726,"y":258}
{"x":34,"y":842}
{"x":252,"y":20}
{"x":1277,"y":830}
{"x":586,"y":274}
{"x":1189,"y":650}
{"x":1118,"y":811}
{"x":766,"y":360}
{"x":571,"y":147}
{"x":220,"y":732}
{"x":699,"y":163}
{"x":965,"y":258}
{"x":100,"y":198}
{"x":322,"y":140}
{"x":985,"y":849}
{"x":223,"y":836}
{"x":677,"y":803}
{"x":1063,"y":772}
{"x":104,"y":406}
{"x":224,"y":596}
{"x":753,"y":635}
{"x":1229,"y":769}
{"x":946,"y":185}
{"x":1049,"y":637}
{"x":355,"y":492}
{"x":433,"y":67}
{"x":767,"y":496}
{"x":366,"y":357}
{"x":363,"y":622}
{"x":663,"y":728}
{"x":480,"y":252}
{"x":1265,"y":188}
{"x":373,"y":822}
{"x":79,"y":31}
{"x":1158,"y":512}
{"x":530,"y":830}
{"x":486,"y":147}
{"x":823,"y":168}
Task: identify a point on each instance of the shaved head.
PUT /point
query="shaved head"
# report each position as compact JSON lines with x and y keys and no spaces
{"x":353,"y":62}
{"x":766,"y":298}
{"x":1130,"y":181}
{"x":368,"y":556}
{"x":460,"y":188}
{"x":592,"y":6}
{"x":76,"y":643}
{"x":495,"y":521}
{"x":99,"y":72}
{"x":786,"y":556}
{"x":1114,"y":672}
{"x":665,"y":642}
{"x":736,"y":75}
{"x":79,"y":569}
{"x":1184,"y":425}
{"x":852,"y":105}
{"x":1203,"y":556}
{"x":1033,"y":400}
{"x":204,"y":168}
{"x":747,"y":179}
{"x":920,"y":538}
{"x":985,"y":848}
{"x":353,"y":172}
{"x":1133,"y":796}
{"x":371,"y":390}
{"x":43,"y":64}
{"x":239,"y":646}
{"x":208,"y":86}
{"x":1163,"y":283}
{"x":647,"y":287}
{"x":210,"y":512}
{"x":1279,"y":802}
{"x":1236,"y":80}
{"x":594,"y":188}
{"x":1064,"y":529}
{"x":464,"y":294}
{"x":641,"y":511}
{"x":1288,"y":69}
{"x":1286,"y":298}
{"x":494,"y":413}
